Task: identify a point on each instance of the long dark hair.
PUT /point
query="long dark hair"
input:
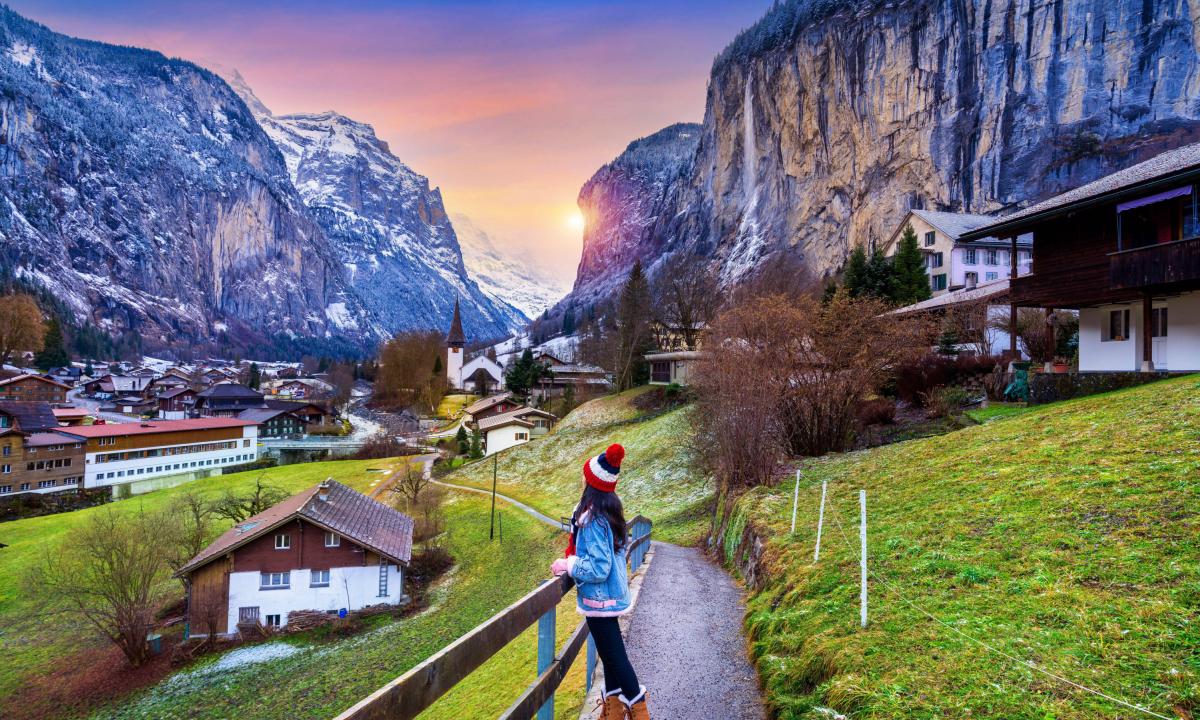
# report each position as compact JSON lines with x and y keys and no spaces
{"x":608,"y":505}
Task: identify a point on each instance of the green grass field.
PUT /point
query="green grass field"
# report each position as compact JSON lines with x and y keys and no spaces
{"x":1064,"y":535}
{"x":30,"y":643}
{"x":656,"y":476}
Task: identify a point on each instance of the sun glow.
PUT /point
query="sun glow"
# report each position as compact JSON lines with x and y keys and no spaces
{"x":575,"y":221}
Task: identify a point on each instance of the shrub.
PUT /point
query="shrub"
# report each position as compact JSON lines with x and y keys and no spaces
{"x":914,"y":381}
{"x":879,"y":411}
{"x":945,"y":401}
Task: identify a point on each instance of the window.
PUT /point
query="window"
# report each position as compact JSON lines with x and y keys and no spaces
{"x":43,"y":484}
{"x":283,"y":541}
{"x":1116,"y":328}
{"x":971,"y":279}
{"x":24,"y":486}
{"x":522,"y":436}
{"x":938,"y":282}
{"x":272,"y":620}
{"x":275,"y":580}
{"x":5,"y":489}
{"x":991,"y":276}
{"x":930,"y":238}
{"x":319,"y":578}
{"x":7,"y":450}
{"x":936,"y":260}
{"x":992,"y":257}
{"x":71,"y":481}
{"x":6,"y":469}
{"x":1158,"y":322}
{"x":969,"y":256}
{"x":245,"y":443}
{"x":1024,"y":256}
{"x":332,"y":539}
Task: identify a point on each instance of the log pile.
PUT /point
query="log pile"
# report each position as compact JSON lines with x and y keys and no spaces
{"x":301,"y":620}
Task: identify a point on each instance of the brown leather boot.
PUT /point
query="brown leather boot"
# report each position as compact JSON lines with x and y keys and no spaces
{"x":613,"y":708}
{"x":638,"y":710}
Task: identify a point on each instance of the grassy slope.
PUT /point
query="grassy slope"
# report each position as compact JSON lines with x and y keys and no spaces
{"x":1065,"y":535}
{"x":656,"y":479}
{"x":29,"y":643}
{"x":322,"y":679}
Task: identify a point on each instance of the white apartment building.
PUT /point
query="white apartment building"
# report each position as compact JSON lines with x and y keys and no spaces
{"x":952,"y":265}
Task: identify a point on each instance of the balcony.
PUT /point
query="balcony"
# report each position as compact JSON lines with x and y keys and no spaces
{"x":1160,"y":264}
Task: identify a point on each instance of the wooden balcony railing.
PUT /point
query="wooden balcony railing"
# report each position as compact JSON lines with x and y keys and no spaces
{"x":406,"y":696}
{"x":1159,"y":264}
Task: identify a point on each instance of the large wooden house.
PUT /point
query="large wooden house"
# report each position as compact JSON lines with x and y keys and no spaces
{"x":327,"y":548}
{"x":33,"y":388}
{"x":1125,"y":251}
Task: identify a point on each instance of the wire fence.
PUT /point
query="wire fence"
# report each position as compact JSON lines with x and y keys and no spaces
{"x":830,"y":509}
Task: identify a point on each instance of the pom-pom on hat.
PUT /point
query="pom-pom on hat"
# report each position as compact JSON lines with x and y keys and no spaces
{"x":601,"y":471}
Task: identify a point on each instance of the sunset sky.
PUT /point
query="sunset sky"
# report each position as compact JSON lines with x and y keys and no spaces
{"x":508,"y":107}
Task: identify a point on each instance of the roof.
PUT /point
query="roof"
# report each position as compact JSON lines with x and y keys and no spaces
{"x":568,"y":369}
{"x":174,"y":392}
{"x":261,"y":415}
{"x":226,"y":391}
{"x":456,"y":336}
{"x":487,"y":402}
{"x":351,"y":514}
{"x":513,"y":417}
{"x":158,"y":426}
{"x":953,"y":224}
{"x":30,"y":415}
{"x":31,"y":376}
{"x":70,"y":412}
{"x":42,"y":439}
{"x":983,"y":291}
{"x":675,"y":355}
{"x":294,"y":406}
{"x":1168,"y":167}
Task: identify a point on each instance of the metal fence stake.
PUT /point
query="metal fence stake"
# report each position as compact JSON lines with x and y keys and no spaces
{"x":862,"y":568}
{"x":795,"y":500}
{"x":820,"y":522}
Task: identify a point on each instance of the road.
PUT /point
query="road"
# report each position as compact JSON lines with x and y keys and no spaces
{"x":75,"y":398}
{"x":684,"y":635}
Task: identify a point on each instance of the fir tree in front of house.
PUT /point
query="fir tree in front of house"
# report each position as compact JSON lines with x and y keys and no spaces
{"x":900,"y":279}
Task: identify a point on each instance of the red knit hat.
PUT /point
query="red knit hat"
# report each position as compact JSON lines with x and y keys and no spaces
{"x":601,"y":471}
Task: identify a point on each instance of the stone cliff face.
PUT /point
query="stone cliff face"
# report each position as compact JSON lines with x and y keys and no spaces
{"x":826,"y":121}
{"x":142,"y":192}
{"x":624,"y":206}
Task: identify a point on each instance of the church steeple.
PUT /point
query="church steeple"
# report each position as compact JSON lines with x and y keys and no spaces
{"x":456,"y":337}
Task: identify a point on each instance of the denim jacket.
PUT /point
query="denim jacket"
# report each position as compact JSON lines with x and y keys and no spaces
{"x":600,"y":573}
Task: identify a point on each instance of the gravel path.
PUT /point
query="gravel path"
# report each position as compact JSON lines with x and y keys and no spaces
{"x":684,"y":639}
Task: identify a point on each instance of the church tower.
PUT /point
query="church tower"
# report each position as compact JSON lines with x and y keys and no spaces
{"x":455,"y":342}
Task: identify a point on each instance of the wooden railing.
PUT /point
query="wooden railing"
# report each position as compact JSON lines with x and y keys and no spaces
{"x":1170,"y":262}
{"x":414,"y":691}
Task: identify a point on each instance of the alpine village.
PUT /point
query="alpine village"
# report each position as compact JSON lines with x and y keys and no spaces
{"x":890,"y":335}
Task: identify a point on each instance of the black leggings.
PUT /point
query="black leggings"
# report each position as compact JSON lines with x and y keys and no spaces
{"x":618,"y":672}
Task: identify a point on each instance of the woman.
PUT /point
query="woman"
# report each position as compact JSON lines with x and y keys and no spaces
{"x":596,"y":561}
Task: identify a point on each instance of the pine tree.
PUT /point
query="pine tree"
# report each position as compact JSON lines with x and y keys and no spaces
{"x":855,"y":277}
{"x":476,"y":444}
{"x":910,"y":284}
{"x":89,"y":370}
{"x":255,"y":377}
{"x":464,"y":442}
{"x":438,"y":367}
{"x":878,"y":281}
{"x":633,"y":330}
{"x":54,"y":351}
{"x":568,"y":326}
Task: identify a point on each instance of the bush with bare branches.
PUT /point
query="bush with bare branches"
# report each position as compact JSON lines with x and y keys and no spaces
{"x":110,"y":572}
{"x":786,"y":376}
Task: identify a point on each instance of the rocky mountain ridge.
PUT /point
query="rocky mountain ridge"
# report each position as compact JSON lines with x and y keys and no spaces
{"x":825,"y":122}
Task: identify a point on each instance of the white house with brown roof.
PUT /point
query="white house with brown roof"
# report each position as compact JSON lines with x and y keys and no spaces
{"x":951,"y":264}
{"x":327,"y":548}
{"x":516,"y":427}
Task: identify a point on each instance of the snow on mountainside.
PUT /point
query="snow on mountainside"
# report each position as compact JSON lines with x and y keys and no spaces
{"x":141,"y":192}
{"x":389,"y":228}
{"x":516,"y":280}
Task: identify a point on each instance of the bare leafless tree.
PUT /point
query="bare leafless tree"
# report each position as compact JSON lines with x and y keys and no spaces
{"x":110,"y":572}
{"x":237,"y":507}
{"x":192,"y":529}
{"x":410,"y":481}
{"x":686,"y":298}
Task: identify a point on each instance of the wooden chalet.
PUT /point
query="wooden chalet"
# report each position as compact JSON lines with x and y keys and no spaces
{"x":327,"y":548}
{"x":33,"y":388}
{"x":1125,"y":251}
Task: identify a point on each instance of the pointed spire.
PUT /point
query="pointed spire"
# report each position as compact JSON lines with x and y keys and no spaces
{"x":456,"y":338}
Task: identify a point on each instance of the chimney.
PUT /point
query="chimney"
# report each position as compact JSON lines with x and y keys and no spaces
{"x":323,"y":490}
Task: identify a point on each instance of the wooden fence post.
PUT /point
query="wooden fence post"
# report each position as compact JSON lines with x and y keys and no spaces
{"x":591,"y":661}
{"x":820,"y":522}
{"x":795,"y":500}
{"x":546,"y":657}
{"x":862,"y":569}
